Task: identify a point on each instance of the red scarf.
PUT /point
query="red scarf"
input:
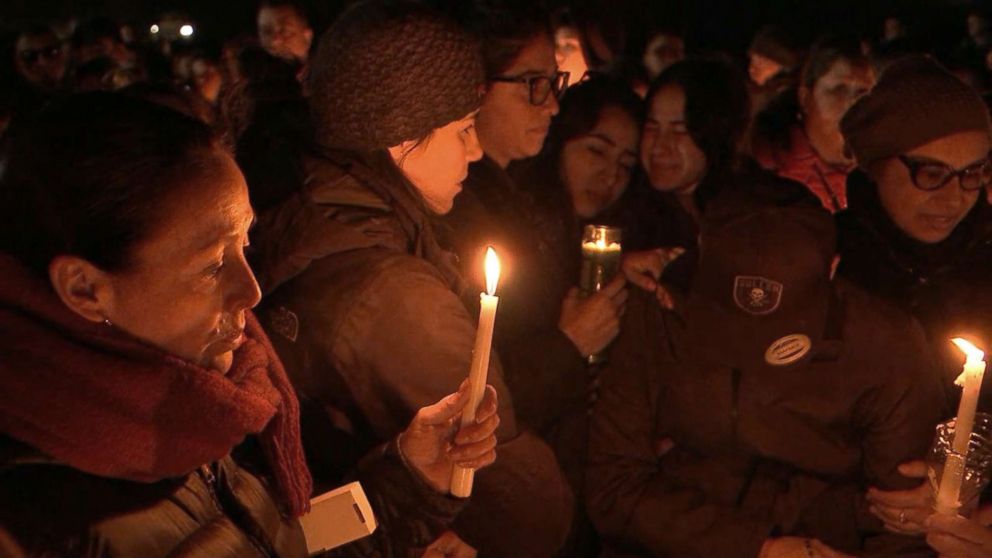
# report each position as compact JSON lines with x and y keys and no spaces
{"x":103,"y":402}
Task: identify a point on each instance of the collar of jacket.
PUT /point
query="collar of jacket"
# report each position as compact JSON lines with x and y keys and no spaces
{"x":879,"y":236}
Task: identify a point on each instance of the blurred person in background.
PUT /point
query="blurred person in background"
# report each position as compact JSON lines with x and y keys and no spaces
{"x":284,"y":29}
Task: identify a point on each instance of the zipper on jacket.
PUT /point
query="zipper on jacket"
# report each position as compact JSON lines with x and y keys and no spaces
{"x":206,"y":471}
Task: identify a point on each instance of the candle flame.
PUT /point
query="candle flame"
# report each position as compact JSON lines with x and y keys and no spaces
{"x":492,"y":271}
{"x":973,"y":353}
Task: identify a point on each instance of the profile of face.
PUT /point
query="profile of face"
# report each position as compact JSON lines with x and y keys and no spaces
{"x":207,"y":79}
{"x":510,"y":126}
{"x":824,"y":104}
{"x":663,"y":51}
{"x":188,"y":284}
{"x":930,"y":216}
{"x":669,"y":155}
{"x":438,"y":165}
{"x":40,"y":59}
{"x":596,"y":167}
{"x":569,"y":54}
{"x":760,"y":68}
{"x":284,"y":33}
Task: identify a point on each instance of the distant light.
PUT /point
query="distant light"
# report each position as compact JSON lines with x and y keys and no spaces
{"x":186,"y":30}
{"x":154,"y":29}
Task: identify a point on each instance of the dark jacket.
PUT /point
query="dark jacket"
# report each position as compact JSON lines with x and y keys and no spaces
{"x":946,"y":286}
{"x":365,"y":310}
{"x":544,"y":370}
{"x":223,"y":510}
{"x":758,"y":453}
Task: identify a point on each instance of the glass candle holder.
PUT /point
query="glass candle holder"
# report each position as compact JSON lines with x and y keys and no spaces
{"x":601,"y":252}
{"x":977,"y":467}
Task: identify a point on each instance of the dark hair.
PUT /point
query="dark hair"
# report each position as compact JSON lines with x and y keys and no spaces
{"x":717,"y":107}
{"x":506,"y":30}
{"x":772,"y":126}
{"x":581,"y":108}
{"x":88,"y":175}
{"x":298,"y":7}
{"x":93,"y":30}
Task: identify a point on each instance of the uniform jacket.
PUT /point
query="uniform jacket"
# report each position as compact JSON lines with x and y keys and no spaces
{"x":758,"y":453}
{"x":365,"y":310}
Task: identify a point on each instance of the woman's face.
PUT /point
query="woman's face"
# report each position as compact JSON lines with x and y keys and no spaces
{"x":510,"y":127}
{"x":569,"y":54}
{"x":930,"y":216}
{"x":672,"y":160}
{"x":438,"y":165}
{"x":189,"y":285}
{"x":596,"y":167}
{"x":825,"y":103}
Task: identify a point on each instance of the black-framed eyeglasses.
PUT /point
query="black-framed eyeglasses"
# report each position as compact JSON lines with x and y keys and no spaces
{"x":931,"y":175}
{"x":539,"y":87}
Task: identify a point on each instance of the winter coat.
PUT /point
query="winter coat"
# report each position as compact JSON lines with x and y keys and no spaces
{"x":946,"y":286}
{"x":365,"y":311}
{"x":760,"y":453}
{"x":222,"y":510}
{"x":801,"y":163}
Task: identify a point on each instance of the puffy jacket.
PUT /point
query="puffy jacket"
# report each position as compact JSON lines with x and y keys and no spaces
{"x":366,"y":311}
{"x":222,"y":510}
{"x":758,"y":453}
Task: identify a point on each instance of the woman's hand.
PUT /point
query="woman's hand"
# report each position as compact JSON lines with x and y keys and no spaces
{"x":645,"y":268}
{"x":904,"y":511}
{"x":956,"y":537}
{"x":433,"y":443}
{"x":593,"y":323}
{"x":449,"y":545}
{"x":798,"y":547}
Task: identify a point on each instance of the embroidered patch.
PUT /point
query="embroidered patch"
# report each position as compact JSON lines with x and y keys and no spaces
{"x":285,"y":323}
{"x":788,"y":349}
{"x":757,"y":295}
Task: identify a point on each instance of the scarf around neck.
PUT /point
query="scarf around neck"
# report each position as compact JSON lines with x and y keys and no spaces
{"x":104,"y":402}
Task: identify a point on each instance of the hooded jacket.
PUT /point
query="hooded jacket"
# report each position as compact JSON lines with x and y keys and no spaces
{"x":367,"y":311}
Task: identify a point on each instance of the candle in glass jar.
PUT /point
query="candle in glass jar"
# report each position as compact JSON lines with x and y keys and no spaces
{"x":461,"y":477}
{"x":971,"y":381}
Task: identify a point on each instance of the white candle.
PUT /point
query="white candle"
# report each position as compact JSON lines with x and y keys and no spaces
{"x":599,"y":246}
{"x":461,"y":478}
{"x":971,"y":381}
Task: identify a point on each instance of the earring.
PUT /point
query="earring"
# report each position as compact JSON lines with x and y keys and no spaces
{"x":108,"y":323}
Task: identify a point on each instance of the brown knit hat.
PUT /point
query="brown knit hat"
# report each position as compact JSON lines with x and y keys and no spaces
{"x":389,"y":71}
{"x":914,"y":102}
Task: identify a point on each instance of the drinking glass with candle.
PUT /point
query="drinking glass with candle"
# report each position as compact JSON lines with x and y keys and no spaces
{"x":977,"y":464}
{"x":601,"y":253}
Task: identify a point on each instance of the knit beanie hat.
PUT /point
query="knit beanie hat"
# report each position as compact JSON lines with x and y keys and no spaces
{"x":390,"y":71}
{"x":914,"y":102}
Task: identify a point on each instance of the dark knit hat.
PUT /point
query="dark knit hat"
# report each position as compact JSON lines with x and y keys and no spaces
{"x":914,"y":102}
{"x":774,"y":44}
{"x":390,"y":71}
{"x":761,"y":291}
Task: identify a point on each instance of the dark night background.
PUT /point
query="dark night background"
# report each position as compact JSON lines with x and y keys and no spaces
{"x":727,"y":24}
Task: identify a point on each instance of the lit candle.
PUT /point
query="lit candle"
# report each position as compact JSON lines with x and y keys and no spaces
{"x":461,"y":478}
{"x":971,"y":382}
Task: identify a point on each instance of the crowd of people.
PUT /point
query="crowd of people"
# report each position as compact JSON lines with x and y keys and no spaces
{"x":234,"y":279}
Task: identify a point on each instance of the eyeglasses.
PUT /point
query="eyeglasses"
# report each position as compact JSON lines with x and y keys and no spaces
{"x":31,"y":56}
{"x":930,"y":175}
{"x":539,"y":87}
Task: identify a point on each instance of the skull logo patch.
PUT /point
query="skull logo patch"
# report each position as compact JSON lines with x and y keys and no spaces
{"x":756,"y":295}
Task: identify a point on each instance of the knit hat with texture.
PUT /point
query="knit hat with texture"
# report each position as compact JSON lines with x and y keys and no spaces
{"x":914,"y":102}
{"x":390,"y":71}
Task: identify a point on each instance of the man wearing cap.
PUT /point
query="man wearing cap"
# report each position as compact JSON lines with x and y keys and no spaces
{"x":918,"y":230}
{"x":748,"y":421}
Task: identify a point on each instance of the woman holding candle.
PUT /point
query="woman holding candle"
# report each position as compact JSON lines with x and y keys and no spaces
{"x":367,"y":308}
{"x":917,"y":231}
